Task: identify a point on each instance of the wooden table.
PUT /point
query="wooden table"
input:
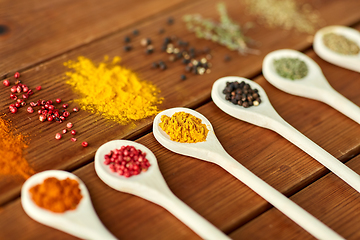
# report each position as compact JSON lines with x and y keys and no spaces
{"x":40,"y":35}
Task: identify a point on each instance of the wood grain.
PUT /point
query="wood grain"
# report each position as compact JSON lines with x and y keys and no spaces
{"x":195,"y":90}
{"x":39,"y":30}
{"x":327,"y":199}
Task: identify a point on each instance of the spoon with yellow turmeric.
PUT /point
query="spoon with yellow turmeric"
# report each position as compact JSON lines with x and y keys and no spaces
{"x":189,"y":133}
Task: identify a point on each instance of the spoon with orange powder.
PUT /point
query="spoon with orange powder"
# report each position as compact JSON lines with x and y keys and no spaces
{"x":72,"y":213}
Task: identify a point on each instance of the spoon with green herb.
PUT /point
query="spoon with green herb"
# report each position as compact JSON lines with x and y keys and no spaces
{"x":296,"y":73}
{"x":339,"y":45}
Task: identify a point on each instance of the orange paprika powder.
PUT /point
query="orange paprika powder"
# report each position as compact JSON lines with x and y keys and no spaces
{"x":12,"y":161}
{"x":57,"y":195}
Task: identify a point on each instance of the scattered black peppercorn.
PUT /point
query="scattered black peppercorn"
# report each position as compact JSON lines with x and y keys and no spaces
{"x":154,"y":65}
{"x":145,"y":42}
{"x":170,"y":21}
{"x":183,"y":77}
{"x":127,"y":48}
{"x":127,"y":39}
{"x":135,"y":32}
{"x":227,"y":58}
{"x":241,"y":94}
{"x":161,"y":31}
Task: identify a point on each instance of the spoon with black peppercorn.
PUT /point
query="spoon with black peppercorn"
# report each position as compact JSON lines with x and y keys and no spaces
{"x":81,"y":222}
{"x":349,"y":36}
{"x":314,"y":85}
{"x":151,"y":186}
{"x":264,"y":115}
{"x":212,"y":151}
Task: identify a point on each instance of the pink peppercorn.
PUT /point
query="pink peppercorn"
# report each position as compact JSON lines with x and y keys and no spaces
{"x":13,"y":89}
{"x":38,"y":88}
{"x":30,"y":110}
{"x":66,"y":114}
{"x":75,"y":109}
{"x":6,"y":82}
{"x":84,"y":144}
{"x":73,"y":132}
{"x":73,"y":139}
{"x":69,"y":125}
{"x":58,"y":136}
{"x":58,"y":100}
{"x":64,"y":131}
{"x":65,"y":105}
{"x":127,"y":161}
{"x":16,"y":75}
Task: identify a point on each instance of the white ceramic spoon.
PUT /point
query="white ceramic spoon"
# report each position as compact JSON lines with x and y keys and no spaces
{"x":212,"y":151}
{"x":313,"y":86}
{"x":351,"y":62}
{"x":265,"y":116}
{"x":81,"y":222}
{"x":151,"y":186}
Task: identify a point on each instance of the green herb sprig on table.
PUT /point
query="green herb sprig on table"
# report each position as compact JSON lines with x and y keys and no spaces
{"x":226,"y":32}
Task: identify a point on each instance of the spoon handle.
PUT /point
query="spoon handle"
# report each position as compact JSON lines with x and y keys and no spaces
{"x":278,"y":200}
{"x":192,"y":219}
{"x":341,"y":103}
{"x":333,"y":164}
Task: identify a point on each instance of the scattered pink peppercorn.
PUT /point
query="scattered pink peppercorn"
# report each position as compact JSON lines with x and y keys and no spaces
{"x":42,"y":118}
{"x":24,"y":96}
{"x":58,"y":100}
{"x":17,"y":104}
{"x":19,"y":89}
{"x":69,"y":125}
{"x":38,"y":88}
{"x":75,"y":109}
{"x":25,"y":89}
{"x":65,"y":105}
{"x":66,"y":114}
{"x":73,"y":139}
{"x":58,"y":136}
{"x":6,"y":82}
{"x":17,"y":75}
{"x":73,"y":132}
{"x":84,"y":144}
{"x":127,"y":161}
{"x":13,"y":89}
{"x":64,"y":131}
{"x":13,"y":96}
{"x":30,"y":110}
{"x":50,"y":118}
{"x":13,"y":110}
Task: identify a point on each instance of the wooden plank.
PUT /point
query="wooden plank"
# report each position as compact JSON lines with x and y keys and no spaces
{"x":66,"y":155}
{"x":38,"y":31}
{"x":327,"y":199}
{"x":221,"y":199}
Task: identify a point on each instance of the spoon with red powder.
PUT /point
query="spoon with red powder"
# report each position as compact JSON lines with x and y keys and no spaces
{"x":148,"y":184}
{"x":77,"y":218}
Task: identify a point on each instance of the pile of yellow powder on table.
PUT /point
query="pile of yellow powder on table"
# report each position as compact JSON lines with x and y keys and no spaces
{"x":112,"y":91}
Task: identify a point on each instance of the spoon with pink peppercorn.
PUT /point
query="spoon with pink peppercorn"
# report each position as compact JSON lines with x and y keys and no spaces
{"x":212,"y":151}
{"x":148,"y":183}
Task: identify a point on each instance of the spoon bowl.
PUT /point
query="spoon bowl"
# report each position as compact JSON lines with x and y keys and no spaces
{"x":351,"y":62}
{"x":81,"y":222}
{"x":212,"y":151}
{"x":314,"y":85}
{"x":151,"y":185}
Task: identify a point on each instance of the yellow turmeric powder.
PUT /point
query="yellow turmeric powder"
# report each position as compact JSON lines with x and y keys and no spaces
{"x":112,"y":91}
{"x":12,"y":161}
{"x":184,"y":127}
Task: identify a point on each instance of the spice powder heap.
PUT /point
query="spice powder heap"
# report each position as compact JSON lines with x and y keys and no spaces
{"x":12,"y":161}
{"x":291,"y":68}
{"x":57,"y":195}
{"x":340,"y":44}
{"x":112,"y":91}
{"x":184,"y":127}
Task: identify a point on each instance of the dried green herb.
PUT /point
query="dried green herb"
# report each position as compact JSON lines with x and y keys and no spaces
{"x":340,"y":44}
{"x":291,"y":68}
{"x":226,"y":32}
{"x":287,"y":14}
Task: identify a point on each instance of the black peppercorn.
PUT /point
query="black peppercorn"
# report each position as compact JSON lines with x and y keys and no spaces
{"x":127,"y":48}
{"x":127,"y":39}
{"x":170,"y":21}
{"x":227,"y":58}
{"x":183,"y":77}
{"x":135,"y":32}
